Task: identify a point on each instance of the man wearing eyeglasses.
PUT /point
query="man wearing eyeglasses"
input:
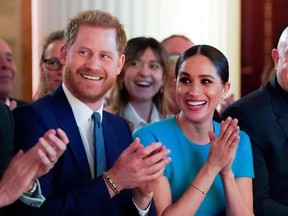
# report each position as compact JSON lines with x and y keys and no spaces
{"x":7,"y":75}
{"x":174,"y":46}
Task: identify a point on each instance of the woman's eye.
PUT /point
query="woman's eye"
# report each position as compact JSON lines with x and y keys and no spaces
{"x":206,"y":81}
{"x":184,"y":80}
{"x":155,"y":66}
{"x":136,"y":63}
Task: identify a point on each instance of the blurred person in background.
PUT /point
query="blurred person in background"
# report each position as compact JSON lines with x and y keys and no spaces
{"x":174,"y":46}
{"x":7,"y":75}
{"x":19,"y":178}
{"x":50,"y":66}
{"x":140,"y":94}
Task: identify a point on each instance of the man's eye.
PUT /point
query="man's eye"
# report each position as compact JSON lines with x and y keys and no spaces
{"x":83,"y":53}
{"x":104,"y":56}
{"x":9,"y":59}
{"x":52,"y":63}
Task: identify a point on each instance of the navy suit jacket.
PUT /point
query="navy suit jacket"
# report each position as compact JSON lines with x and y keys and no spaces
{"x":69,"y":188}
{"x":6,"y":137}
{"x":263,"y":114}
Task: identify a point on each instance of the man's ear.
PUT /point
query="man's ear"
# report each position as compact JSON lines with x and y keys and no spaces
{"x":63,"y":54}
{"x":120,"y":64}
{"x":275,"y":56}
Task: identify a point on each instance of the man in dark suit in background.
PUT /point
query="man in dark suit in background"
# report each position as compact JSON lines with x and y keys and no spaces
{"x":263,"y":114}
{"x":24,"y":169}
{"x":7,"y":76}
{"x":6,"y":137}
{"x":92,"y":56}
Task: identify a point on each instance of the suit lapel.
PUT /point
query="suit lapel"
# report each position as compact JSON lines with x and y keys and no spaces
{"x":112,"y":148}
{"x":280,"y":106}
{"x":68,"y":123}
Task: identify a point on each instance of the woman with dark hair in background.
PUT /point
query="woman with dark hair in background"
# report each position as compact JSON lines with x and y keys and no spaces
{"x":140,"y":94}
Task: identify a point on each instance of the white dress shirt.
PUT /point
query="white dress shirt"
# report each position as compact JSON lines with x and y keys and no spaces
{"x":82,"y":114}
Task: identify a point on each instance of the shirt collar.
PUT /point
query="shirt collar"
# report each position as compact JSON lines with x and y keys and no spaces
{"x":7,"y":102}
{"x":132,"y":116}
{"x":81,"y":111}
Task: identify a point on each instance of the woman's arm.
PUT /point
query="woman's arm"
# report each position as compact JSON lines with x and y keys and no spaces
{"x":190,"y":201}
{"x":220,"y":158}
{"x":238,"y":193}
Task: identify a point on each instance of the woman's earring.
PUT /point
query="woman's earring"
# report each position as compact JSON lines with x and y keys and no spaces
{"x":162,"y":90}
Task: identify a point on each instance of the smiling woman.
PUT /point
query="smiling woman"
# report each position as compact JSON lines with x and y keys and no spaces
{"x":201,"y":170}
{"x":140,"y":94}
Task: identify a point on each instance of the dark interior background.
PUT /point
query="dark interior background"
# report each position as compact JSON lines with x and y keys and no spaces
{"x":262,"y":22}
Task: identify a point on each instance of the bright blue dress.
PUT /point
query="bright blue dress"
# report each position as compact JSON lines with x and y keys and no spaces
{"x":188,"y":157}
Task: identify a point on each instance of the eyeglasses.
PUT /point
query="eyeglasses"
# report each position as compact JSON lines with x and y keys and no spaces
{"x":153,"y":64}
{"x":173,"y":58}
{"x":52,"y":64}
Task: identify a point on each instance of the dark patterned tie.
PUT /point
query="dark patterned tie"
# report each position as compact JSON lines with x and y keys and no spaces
{"x":99,"y":148}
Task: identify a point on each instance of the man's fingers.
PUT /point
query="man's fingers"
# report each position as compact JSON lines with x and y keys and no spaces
{"x":149,"y":150}
{"x":133,"y":147}
{"x":48,"y":148}
{"x":45,"y":160}
{"x":51,"y":131}
{"x":58,"y":145}
{"x":62,"y":136}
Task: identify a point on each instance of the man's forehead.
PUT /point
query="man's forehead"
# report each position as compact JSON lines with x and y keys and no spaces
{"x":4,"y":47}
{"x":177,"y":45}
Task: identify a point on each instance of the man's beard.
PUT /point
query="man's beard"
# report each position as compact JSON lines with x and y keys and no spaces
{"x":77,"y":90}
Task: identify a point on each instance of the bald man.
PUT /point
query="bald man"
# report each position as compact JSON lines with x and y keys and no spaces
{"x":263,"y":114}
{"x":174,"y":46}
{"x":7,"y":74}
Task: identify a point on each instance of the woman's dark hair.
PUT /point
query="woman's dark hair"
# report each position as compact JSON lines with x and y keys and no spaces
{"x":217,"y":58}
{"x":137,"y":46}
